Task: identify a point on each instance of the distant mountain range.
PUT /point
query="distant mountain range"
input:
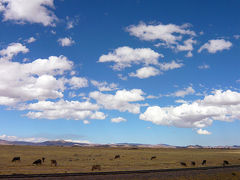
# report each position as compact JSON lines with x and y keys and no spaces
{"x":130,"y":145}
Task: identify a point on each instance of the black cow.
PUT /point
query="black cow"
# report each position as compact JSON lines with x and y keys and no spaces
{"x":16,"y":159}
{"x":183,"y":164}
{"x":117,"y":156}
{"x":225,"y":163}
{"x":193,"y":163}
{"x":204,"y":162}
{"x":53,"y":162}
{"x":43,"y":159}
{"x":38,"y":162}
{"x":96,"y":167}
{"x":153,"y":157}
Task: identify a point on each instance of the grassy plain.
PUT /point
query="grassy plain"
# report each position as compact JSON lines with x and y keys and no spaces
{"x":81,"y":159}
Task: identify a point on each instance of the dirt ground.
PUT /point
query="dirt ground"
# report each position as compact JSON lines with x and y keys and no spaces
{"x":210,"y":174}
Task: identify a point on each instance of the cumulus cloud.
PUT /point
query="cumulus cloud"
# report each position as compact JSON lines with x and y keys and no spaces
{"x":121,"y":101}
{"x":66,"y":41}
{"x":35,"y":80}
{"x":187,"y":46}
{"x":215,"y":45}
{"x":12,"y":50}
{"x":21,"y":11}
{"x":31,"y":40}
{"x":145,"y":72}
{"x":169,"y":34}
{"x":63,"y":110}
{"x":169,"y":66}
{"x":203,"y":132}
{"x":104,"y":86}
{"x":123,"y":57}
{"x":118,"y":120}
{"x":184,"y":92}
{"x":221,"y":105}
{"x":78,"y":82}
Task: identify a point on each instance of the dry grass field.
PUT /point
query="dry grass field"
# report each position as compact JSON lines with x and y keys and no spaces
{"x":81,"y":159}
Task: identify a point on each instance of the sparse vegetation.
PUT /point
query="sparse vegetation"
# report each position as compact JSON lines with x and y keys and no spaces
{"x":81,"y":159}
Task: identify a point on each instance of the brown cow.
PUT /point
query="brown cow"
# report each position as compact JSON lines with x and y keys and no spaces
{"x":183,"y":164}
{"x":153,"y":157}
{"x":117,"y":156}
{"x":225,"y":163}
{"x":96,"y":167}
{"x":53,"y":162}
{"x":16,"y":159}
{"x":204,"y":162}
{"x":38,"y":162}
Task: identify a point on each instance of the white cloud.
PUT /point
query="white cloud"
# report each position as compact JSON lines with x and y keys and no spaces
{"x":66,"y":41}
{"x":104,"y":86}
{"x":38,"y":139}
{"x":204,"y":66}
{"x":169,"y":66}
{"x":203,"y":132}
{"x":152,"y":97}
{"x":237,"y":36}
{"x":212,"y":46}
{"x":31,"y":40}
{"x":221,"y":105}
{"x":35,"y":80}
{"x":126,"y":56}
{"x":71,"y":22}
{"x":118,"y":120}
{"x":77,"y":82}
{"x":12,"y":50}
{"x":33,"y":11}
{"x":122,"y":77}
{"x":121,"y":101}
{"x":169,"y":34}
{"x":77,"y":141}
{"x":63,"y":110}
{"x":187,"y":45}
{"x":189,"y":54}
{"x":26,"y":139}
{"x":181,"y":101}
{"x":145,"y":72}
{"x":186,"y":91}
{"x":86,"y":122}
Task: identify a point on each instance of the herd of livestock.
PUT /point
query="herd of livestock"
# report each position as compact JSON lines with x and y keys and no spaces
{"x":39,"y":162}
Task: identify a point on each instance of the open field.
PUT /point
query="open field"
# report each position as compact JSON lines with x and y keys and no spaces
{"x":81,"y":159}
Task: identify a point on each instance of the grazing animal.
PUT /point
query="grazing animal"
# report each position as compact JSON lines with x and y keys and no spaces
{"x":204,"y":162}
{"x":16,"y":159}
{"x":193,"y":163}
{"x":225,"y":163}
{"x":183,"y":164}
{"x":38,"y":162}
{"x":96,"y":167}
{"x":43,"y":159}
{"x":153,"y":157}
{"x":53,"y":162}
{"x":117,"y":156}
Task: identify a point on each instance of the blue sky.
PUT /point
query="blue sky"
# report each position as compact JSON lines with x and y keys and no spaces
{"x":120,"y":71}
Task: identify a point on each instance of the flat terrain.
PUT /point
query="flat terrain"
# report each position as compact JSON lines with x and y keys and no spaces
{"x":81,"y":159}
